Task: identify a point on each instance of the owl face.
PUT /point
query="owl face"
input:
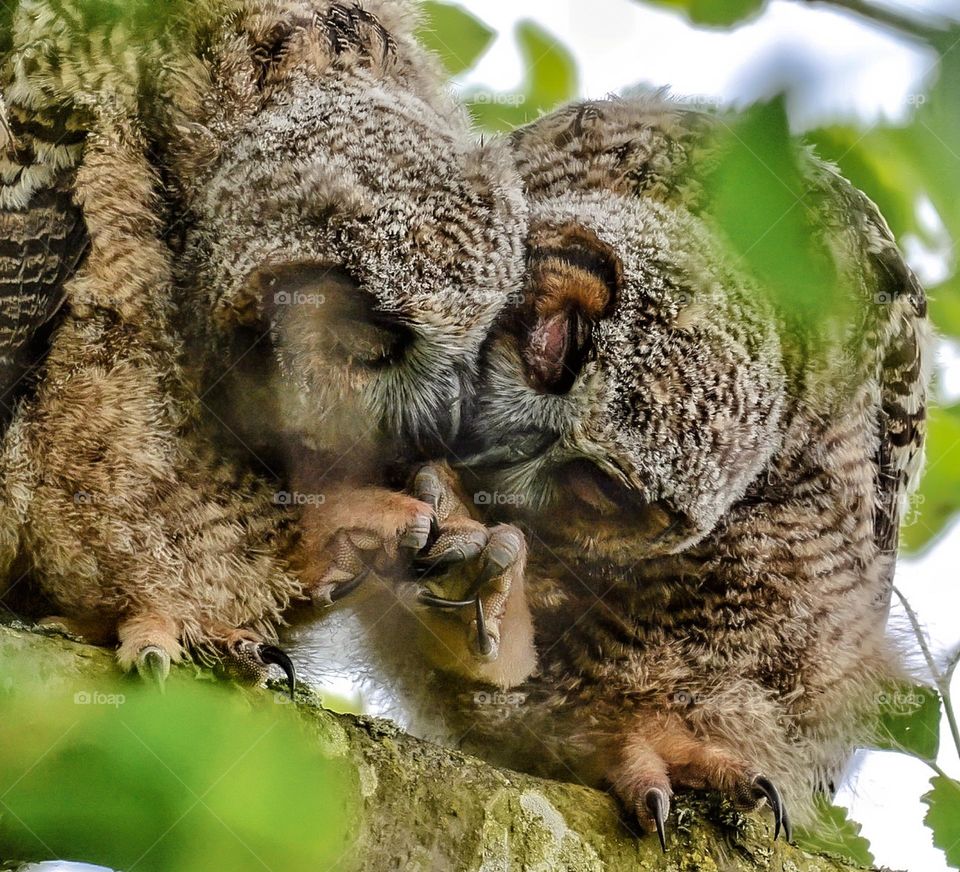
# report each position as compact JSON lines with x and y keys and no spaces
{"x":358,"y":221}
{"x":636,"y":391}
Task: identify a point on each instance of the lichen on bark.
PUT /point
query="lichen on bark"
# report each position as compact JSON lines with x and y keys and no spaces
{"x":430,"y":808}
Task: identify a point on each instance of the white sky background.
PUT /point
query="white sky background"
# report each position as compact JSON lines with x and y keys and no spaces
{"x":840,"y":68}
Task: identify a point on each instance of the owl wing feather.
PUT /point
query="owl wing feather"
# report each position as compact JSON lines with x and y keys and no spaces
{"x":42,"y":239}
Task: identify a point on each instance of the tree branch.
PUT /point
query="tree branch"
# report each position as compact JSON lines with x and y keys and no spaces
{"x":887,"y":18}
{"x":426,"y":807}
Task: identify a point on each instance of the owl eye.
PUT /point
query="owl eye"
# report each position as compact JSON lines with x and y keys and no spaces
{"x":324,"y":311}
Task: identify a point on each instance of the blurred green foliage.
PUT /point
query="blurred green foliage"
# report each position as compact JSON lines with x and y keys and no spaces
{"x":203,"y":777}
{"x":550,"y":80}
{"x":460,"y":39}
{"x":943,"y":816}
{"x":714,"y":13}
{"x":834,"y":833}
{"x":774,"y":229}
{"x":454,"y":35}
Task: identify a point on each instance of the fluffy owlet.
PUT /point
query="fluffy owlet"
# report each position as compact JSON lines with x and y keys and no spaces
{"x":295,"y":251}
{"x":711,"y":490}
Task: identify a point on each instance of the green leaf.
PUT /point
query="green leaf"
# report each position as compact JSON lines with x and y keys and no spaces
{"x":456,"y":36}
{"x":943,"y":816}
{"x":757,"y":192}
{"x":715,"y":13}
{"x":203,"y":777}
{"x":937,"y":500}
{"x":876,"y":163}
{"x":910,"y":721}
{"x":944,"y":302}
{"x":550,"y":80}
{"x":834,"y":833}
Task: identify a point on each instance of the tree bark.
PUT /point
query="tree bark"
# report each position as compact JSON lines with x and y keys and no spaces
{"x":430,"y":808}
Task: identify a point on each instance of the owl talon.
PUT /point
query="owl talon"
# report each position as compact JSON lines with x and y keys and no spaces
{"x":268,"y":654}
{"x":421,"y":532}
{"x":153,"y":666}
{"x":460,"y":552}
{"x":764,"y":788}
{"x":426,"y":598}
{"x":484,"y":642}
{"x":339,"y":592}
{"x":658,"y":805}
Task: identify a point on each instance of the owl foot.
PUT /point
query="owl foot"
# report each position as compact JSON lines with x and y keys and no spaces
{"x":248,"y":658}
{"x":473,"y":568}
{"x":664,"y":754}
{"x":471,"y":581}
{"x":149,"y":643}
{"x":373,"y":531}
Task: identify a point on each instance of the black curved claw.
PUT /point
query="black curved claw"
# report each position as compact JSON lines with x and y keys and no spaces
{"x":659,"y":807}
{"x":425,"y":566}
{"x":470,"y":597}
{"x":424,"y":597}
{"x":273,"y":654}
{"x":340,"y":592}
{"x":764,"y":788}
{"x":484,"y":644}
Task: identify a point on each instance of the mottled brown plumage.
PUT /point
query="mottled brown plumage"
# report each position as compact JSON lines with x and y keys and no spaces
{"x":282,"y":202}
{"x":711,"y":491}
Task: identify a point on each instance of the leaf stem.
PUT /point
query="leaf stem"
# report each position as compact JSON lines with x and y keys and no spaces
{"x":940,"y":679}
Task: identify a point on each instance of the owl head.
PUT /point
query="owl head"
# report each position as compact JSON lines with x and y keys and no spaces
{"x":347,"y":210}
{"x":637,"y":388}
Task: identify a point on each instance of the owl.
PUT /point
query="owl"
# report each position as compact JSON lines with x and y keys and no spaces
{"x":711,"y":491}
{"x":295,"y":250}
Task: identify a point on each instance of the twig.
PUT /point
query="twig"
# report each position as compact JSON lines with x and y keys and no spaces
{"x":886,"y":18}
{"x":940,"y":679}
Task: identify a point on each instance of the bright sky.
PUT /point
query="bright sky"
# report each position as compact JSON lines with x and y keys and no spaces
{"x":839,"y":67}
